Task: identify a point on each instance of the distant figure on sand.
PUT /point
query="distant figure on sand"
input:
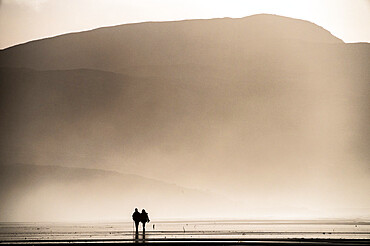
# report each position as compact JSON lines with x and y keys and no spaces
{"x":136,"y":216}
{"x":144,"y":218}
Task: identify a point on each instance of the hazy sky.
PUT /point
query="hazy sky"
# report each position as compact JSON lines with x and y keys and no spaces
{"x":25,"y":20}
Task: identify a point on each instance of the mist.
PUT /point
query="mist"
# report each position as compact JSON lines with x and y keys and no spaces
{"x":267,"y":114}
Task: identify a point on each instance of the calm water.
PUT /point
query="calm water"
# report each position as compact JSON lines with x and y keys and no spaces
{"x":177,"y":230}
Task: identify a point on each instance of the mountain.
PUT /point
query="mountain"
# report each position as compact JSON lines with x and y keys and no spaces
{"x":51,"y":193}
{"x":266,"y":110}
{"x":197,"y":42}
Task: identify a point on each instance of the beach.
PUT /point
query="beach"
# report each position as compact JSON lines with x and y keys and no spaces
{"x":223,"y":232}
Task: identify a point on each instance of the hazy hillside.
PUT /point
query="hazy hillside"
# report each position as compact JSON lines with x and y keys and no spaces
{"x":265,"y":109}
{"x":223,"y":42}
{"x":65,"y":194}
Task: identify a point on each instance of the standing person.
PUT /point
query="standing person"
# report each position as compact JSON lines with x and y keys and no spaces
{"x":136,"y":216}
{"x":144,"y":218}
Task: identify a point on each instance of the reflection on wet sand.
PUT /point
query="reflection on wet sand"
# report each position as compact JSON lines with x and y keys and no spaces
{"x":139,"y":237}
{"x":204,"y":232}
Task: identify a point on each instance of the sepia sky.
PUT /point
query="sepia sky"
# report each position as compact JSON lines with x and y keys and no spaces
{"x":25,"y":20}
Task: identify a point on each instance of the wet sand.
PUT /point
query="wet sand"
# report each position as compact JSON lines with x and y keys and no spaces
{"x":194,"y":241}
{"x":190,"y":232}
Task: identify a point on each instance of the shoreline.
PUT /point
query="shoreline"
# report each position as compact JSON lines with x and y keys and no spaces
{"x":192,"y":241}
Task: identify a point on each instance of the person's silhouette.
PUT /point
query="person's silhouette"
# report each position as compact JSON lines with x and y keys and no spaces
{"x":144,"y":218}
{"x":136,"y":216}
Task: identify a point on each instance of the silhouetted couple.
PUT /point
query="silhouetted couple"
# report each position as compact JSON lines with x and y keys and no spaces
{"x":140,"y":217}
